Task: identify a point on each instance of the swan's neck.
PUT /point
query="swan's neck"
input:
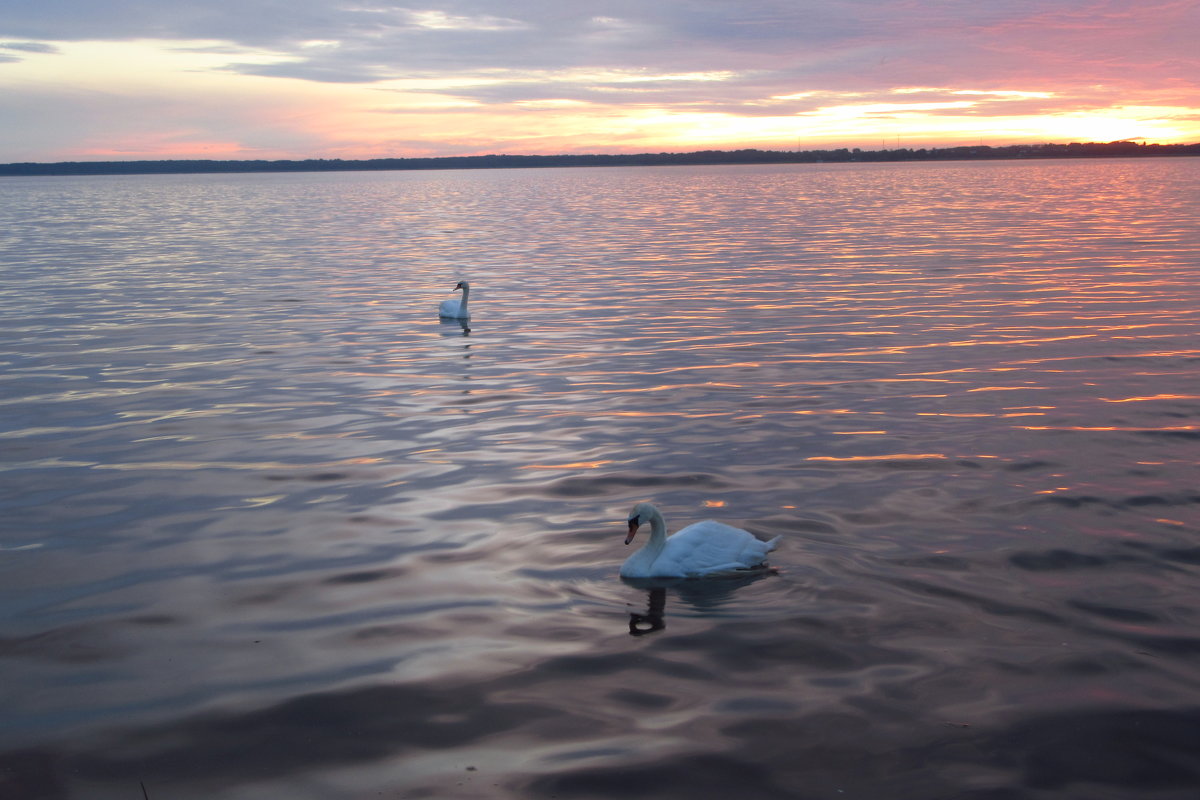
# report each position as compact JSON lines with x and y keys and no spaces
{"x":466,"y":292}
{"x":641,"y":563}
{"x":658,"y":535}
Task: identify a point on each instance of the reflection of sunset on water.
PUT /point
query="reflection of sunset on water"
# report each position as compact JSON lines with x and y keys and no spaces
{"x":255,"y":488}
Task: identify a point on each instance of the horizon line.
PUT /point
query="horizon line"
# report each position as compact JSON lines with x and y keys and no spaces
{"x":1117,"y":148}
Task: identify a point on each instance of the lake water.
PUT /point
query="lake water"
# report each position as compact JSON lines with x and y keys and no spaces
{"x":271,"y":529}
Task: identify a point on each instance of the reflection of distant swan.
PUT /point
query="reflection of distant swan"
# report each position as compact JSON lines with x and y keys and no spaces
{"x":455,"y":327}
{"x":455,"y":308}
{"x":704,"y":548}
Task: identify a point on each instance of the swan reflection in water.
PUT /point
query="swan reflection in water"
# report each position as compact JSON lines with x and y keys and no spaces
{"x":652,"y":620}
{"x":705,"y":595}
{"x":450,"y":326}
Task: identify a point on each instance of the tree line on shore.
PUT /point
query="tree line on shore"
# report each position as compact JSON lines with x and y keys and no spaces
{"x":1121,"y":149}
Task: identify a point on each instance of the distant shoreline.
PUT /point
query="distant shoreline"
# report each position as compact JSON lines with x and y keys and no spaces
{"x":704,"y":157}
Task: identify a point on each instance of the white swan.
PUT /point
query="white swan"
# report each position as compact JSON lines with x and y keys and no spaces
{"x":455,"y":308}
{"x":704,"y":548}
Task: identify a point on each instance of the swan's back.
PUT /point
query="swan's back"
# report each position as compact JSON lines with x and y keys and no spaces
{"x":451,"y":308}
{"x":711,"y":547}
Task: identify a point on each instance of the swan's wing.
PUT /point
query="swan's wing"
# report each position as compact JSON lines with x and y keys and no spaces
{"x":711,"y":546}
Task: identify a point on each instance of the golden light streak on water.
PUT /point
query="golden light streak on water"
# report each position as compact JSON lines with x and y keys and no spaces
{"x":575,"y":465}
{"x":885,"y":457}
{"x":1151,"y":397}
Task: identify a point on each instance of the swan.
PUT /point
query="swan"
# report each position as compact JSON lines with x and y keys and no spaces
{"x":703,"y":548}
{"x":455,"y":308}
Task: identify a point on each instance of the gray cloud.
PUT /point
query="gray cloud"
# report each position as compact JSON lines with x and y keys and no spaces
{"x":827,"y":43}
{"x":29,"y":47}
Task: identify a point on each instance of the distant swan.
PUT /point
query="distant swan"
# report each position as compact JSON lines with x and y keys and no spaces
{"x":455,"y":308}
{"x":704,"y":548}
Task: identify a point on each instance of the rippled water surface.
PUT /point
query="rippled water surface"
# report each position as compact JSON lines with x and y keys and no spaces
{"x":270,"y":529}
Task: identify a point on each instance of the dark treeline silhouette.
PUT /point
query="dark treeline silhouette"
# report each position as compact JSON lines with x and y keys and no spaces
{"x":1074,"y":150}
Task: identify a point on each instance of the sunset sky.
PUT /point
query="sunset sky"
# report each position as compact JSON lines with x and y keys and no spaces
{"x":237,"y":79}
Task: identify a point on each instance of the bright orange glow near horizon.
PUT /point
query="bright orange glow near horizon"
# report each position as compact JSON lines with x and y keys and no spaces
{"x":385,"y":81}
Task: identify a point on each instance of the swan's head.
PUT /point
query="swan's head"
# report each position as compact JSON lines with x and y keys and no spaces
{"x":462,"y":285}
{"x":642,"y":513}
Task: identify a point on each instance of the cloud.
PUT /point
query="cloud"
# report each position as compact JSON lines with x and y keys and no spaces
{"x":838,"y":42}
{"x":29,"y":47}
{"x":440,"y":20}
{"x":556,"y":89}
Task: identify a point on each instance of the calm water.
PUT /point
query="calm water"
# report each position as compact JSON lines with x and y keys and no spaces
{"x":270,"y":529}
